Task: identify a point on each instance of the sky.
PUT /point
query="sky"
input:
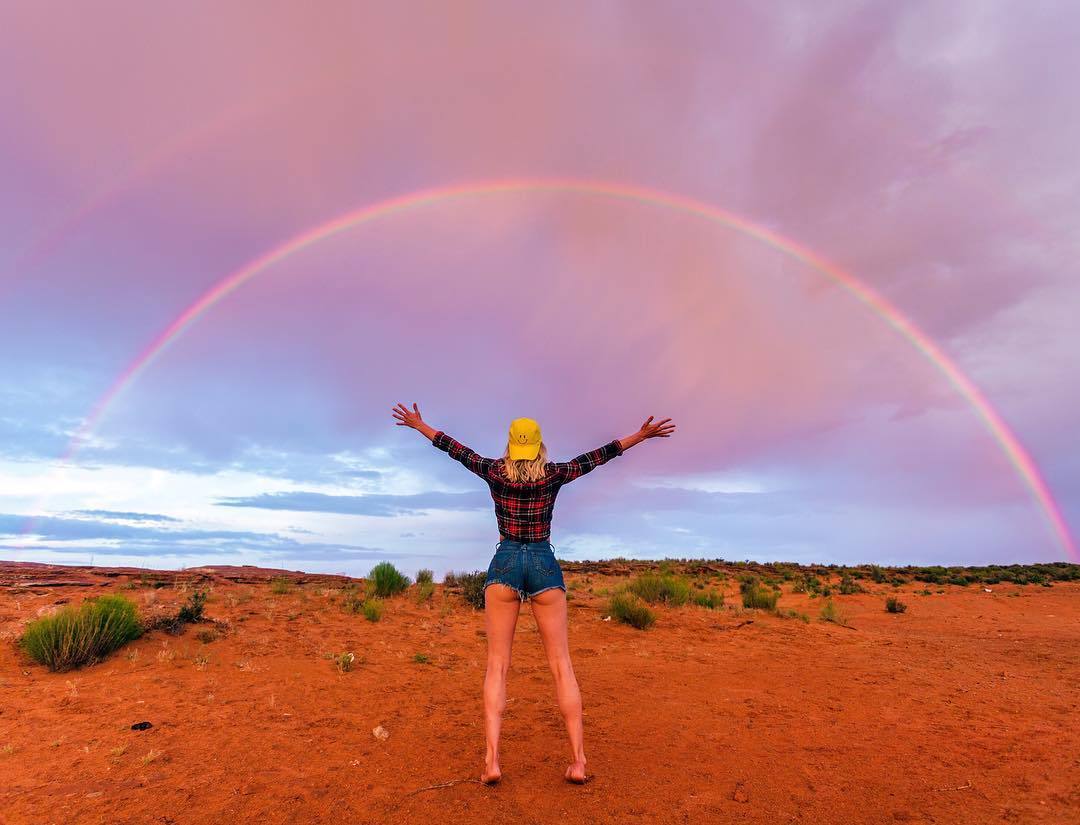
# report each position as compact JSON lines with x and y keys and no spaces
{"x":149,"y":151}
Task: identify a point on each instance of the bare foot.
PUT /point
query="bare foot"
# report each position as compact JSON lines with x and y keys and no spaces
{"x":576,"y":773}
{"x":491,"y":774}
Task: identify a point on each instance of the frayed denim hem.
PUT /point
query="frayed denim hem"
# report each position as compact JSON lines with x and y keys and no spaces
{"x":561,"y":587}
{"x":519,"y":591}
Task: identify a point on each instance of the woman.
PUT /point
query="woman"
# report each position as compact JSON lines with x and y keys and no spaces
{"x":524,"y":484}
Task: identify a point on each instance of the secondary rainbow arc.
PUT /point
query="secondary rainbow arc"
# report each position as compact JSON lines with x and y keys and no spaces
{"x":1009,"y":443}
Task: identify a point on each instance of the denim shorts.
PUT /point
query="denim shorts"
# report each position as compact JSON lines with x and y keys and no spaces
{"x":528,"y":567}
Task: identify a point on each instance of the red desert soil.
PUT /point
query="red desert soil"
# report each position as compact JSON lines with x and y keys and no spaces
{"x":961,"y":710}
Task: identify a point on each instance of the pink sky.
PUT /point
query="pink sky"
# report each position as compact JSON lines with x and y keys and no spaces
{"x":930,"y":150}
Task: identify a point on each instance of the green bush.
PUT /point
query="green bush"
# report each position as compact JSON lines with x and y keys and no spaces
{"x":279,"y":586}
{"x":373,"y":609}
{"x":78,"y":636}
{"x":666,"y":588}
{"x":894,"y":605}
{"x":387,"y":580}
{"x":629,"y":609}
{"x":192,"y":611}
{"x":757,"y":596}
{"x":425,"y":577}
{"x":472,"y":587}
{"x":710,"y":599}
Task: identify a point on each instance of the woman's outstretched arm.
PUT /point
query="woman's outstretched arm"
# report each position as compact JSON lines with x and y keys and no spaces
{"x":471,"y":460}
{"x":661,"y":429}
{"x":587,"y":462}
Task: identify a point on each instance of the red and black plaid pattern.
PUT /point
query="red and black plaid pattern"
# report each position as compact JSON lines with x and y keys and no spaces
{"x":523,"y":509}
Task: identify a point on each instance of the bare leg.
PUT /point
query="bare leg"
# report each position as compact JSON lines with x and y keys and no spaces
{"x":549,"y":608}
{"x":501,"y":607}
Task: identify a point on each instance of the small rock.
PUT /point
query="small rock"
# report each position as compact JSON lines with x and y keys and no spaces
{"x":607,"y":618}
{"x":740,"y":795}
{"x":142,"y":726}
{"x":380,"y":733}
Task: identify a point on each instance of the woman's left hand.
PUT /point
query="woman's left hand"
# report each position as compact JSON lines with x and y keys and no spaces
{"x":408,"y":418}
{"x":411,"y":418}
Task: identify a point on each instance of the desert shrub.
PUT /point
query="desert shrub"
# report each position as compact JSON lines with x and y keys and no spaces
{"x":629,"y":609}
{"x":894,"y":605}
{"x":387,"y":580}
{"x":665,"y":588}
{"x":421,"y":658}
{"x":450,"y":579}
{"x":710,"y":599}
{"x":756,"y":595}
{"x":207,"y":636}
{"x":472,"y":587}
{"x":826,"y":591}
{"x":279,"y":586}
{"x":877,"y":574}
{"x":78,"y":636}
{"x":831,"y":613}
{"x":373,"y":609}
{"x":424,"y":592}
{"x":192,"y":610}
{"x":425,"y":577}
{"x":848,"y":585}
{"x":799,"y":586}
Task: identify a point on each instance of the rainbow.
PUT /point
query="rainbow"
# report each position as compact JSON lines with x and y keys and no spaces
{"x":1003,"y":435}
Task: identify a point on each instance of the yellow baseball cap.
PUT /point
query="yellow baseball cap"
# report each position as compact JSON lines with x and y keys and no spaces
{"x":524,"y":439}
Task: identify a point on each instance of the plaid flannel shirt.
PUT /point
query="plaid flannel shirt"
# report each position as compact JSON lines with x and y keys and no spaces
{"x":524,"y":509}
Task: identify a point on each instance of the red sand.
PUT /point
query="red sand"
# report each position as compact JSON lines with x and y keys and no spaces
{"x":961,"y":710}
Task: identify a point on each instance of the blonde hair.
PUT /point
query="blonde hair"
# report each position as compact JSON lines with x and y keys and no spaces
{"x":525,"y":469}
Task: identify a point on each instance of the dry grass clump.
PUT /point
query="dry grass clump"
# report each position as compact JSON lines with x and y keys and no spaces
{"x":352,"y":598}
{"x":279,"y":585}
{"x":831,"y":613}
{"x":894,"y":605}
{"x":425,"y":577}
{"x":424,"y":592}
{"x":78,"y":636}
{"x":630,"y":609}
{"x":793,"y":614}
{"x":344,"y":662}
